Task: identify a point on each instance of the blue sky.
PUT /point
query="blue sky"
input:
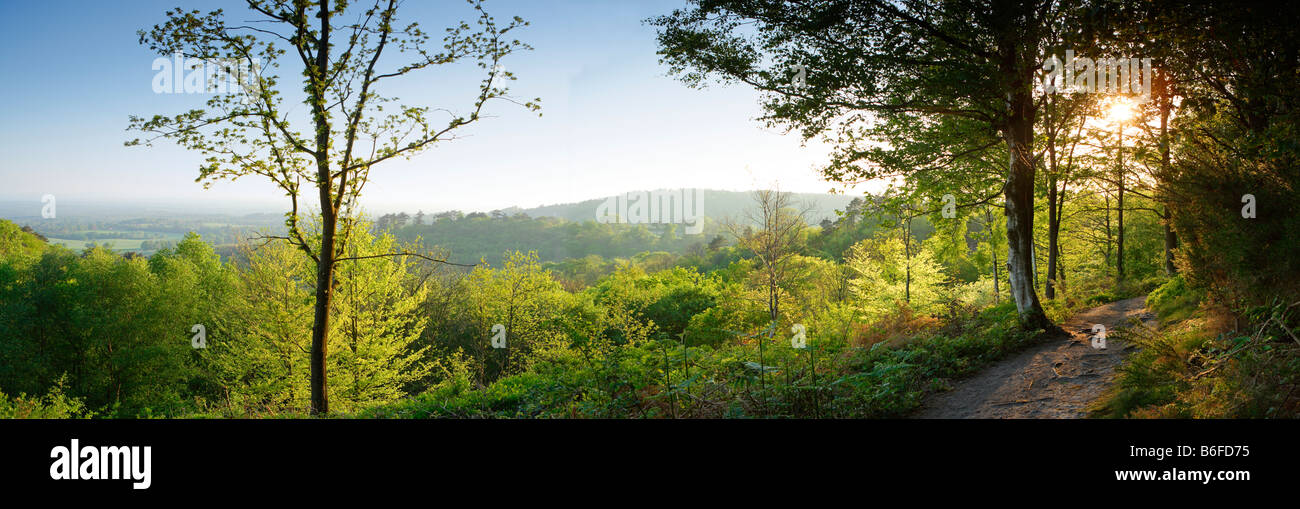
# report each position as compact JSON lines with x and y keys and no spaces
{"x":612,"y":121}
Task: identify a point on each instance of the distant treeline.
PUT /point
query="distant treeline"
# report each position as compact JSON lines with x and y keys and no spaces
{"x":159,"y":233}
{"x":477,"y":235}
{"x":470,"y":238}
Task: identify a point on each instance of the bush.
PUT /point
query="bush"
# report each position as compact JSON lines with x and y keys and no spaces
{"x":53,"y":405}
{"x":1174,"y":300}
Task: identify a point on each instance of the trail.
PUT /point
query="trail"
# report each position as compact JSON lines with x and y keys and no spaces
{"x":1053,"y":380}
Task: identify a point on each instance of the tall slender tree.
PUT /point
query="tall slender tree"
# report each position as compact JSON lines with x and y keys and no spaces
{"x":344,"y":52}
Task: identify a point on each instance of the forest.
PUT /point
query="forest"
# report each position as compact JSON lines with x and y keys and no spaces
{"x":1013,"y":198}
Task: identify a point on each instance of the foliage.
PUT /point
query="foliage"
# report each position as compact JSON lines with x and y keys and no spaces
{"x":53,"y":405}
{"x":897,"y":295}
{"x":1173,"y":300}
{"x":663,"y":379}
{"x":1202,"y":364}
{"x":885,"y":276}
{"x":18,"y":242}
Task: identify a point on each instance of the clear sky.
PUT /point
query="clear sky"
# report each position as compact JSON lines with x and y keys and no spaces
{"x":612,"y":121}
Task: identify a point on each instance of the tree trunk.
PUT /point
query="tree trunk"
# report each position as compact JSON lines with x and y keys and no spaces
{"x":329,"y":222}
{"x":1060,"y":215}
{"x":324,"y":294}
{"x":1110,"y":234}
{"x":1119,"y":208}
{"x":1019,"y":135}
{"x":1020,"y":225}
{"x":1171,"y":238}
{"x":1171,"y":243}
{"x":993,"y":249}
{"x":1053,"y":221}
{"x":907,"y":253}
{"x":997,"y":292}
{"x":1060,"y":269}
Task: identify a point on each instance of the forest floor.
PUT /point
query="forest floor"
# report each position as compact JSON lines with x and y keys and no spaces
{"x":1056,"y":379}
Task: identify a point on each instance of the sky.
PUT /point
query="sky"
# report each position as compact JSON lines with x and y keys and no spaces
{"x":612,"y":121}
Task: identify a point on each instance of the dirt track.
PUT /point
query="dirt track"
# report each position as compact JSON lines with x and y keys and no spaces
{"x":1053,"y":380}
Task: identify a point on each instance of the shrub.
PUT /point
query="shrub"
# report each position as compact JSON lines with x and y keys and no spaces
{"x":53,"y":405}
{"x":1173,"y":300}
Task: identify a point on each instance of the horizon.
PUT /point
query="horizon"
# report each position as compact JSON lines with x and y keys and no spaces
{"x":17,"y":208}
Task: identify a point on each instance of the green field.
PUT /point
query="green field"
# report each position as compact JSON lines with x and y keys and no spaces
{"x":117,"y":244}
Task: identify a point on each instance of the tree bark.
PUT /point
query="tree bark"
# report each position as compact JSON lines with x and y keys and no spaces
{"x":907,"y":253}
{"x":1053,"y":195}
{"x":1019,"y":134}
{"x":329,"y":222}
{"x":1060,"y":269}
{"x":988,"y":224}
{"x":1060,"y":214}
{"x":1171,"y":237}
{"x":1119,"y":208}
{"x":1053,"y":228}
{"x":1171,"y":243}
{"x":1020,"y":227}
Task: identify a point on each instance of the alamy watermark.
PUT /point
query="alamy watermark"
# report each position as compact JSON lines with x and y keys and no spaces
{"x":800,"y":339}
{"x":1098,"y":338}
{"x":665,"y":206}
{"x":498,"y":336}
{"x":188,"y":75}
{"x":48,"y":209}
{"x":76,"y":461}
{"x":200,"y":338}
{"x":1109,"y":75}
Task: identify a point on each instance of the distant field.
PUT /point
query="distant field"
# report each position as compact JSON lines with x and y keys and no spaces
{"x":117,"y":244}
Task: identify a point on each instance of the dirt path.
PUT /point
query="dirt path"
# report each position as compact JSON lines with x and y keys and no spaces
{"x":1054,"y":380}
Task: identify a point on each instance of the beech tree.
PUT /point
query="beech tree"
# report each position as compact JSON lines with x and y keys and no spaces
{"x":886,"y":273}
{"x":344,"y":52}
{"x":839,"y":69}
{"x":772,"y":230}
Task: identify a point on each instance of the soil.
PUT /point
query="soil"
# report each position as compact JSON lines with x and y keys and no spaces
{"x":1056,"y":379}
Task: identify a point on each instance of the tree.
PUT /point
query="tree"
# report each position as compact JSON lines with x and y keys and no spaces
{"x":1061,"y":115}
{"x":775,"y":242}
{"x":378,"y":321}
{"x":1235,"y":136}
{"x":886,"y":274}
{"x":991,"y":239}
{"x":246,"y":131}
{"x":717,"y":242}
{"x":263,"y":362}
{"x":839,"y":70}
{"x":523,"y":299}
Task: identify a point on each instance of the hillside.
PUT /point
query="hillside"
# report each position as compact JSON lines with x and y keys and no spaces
{"x":718,"y":205}
{"x":18,"y":241}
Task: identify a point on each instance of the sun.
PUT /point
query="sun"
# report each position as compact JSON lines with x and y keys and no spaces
{"x":1121,"y":110}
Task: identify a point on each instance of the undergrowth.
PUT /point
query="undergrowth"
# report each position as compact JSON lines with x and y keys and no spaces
{"x":664,"y":379}
{"x":1207,"y":361}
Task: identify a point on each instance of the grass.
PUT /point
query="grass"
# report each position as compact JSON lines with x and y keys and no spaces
{"x":883,"y":370}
